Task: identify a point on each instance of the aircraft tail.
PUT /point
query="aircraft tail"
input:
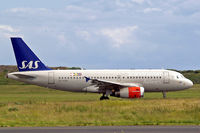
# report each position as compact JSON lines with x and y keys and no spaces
{"x":26,"y":59}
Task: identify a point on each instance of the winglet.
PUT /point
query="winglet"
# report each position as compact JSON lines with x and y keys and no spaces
{"x":87,"y":79}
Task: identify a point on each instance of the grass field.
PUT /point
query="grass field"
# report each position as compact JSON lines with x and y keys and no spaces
{"x":27,"y":105}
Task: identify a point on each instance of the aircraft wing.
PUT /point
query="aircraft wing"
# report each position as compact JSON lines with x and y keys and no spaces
{"x":105,"y":84}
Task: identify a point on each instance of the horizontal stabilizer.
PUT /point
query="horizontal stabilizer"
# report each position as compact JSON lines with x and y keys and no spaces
{"x":22,"y":76}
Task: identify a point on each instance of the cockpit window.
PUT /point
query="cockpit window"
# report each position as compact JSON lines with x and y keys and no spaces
{"x":180,"y":76}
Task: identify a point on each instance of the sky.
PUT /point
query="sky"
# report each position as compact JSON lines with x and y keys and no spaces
{"x":104,"y":34}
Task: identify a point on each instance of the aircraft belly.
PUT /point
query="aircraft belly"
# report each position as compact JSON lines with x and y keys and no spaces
{"x":153,"y":86}
{"x":71,"y":86}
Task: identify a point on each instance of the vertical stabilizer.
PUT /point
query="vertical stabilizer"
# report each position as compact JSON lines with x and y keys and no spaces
{"x":26,"y":59}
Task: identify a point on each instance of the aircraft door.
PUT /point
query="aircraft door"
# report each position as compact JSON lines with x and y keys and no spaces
{"x":51,"y":79}
{"x":166,"y":77}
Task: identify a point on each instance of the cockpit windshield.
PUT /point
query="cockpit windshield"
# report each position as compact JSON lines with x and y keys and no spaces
{"x":180,"y":76}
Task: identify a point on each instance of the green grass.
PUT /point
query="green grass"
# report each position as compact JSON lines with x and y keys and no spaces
{"x":28,"y":105}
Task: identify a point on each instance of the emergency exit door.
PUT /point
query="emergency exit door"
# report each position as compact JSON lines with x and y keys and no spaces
{"x":166,"y":77}
{"x":51,"y":79}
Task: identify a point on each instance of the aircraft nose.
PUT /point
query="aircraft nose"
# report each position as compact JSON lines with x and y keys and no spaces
{"x":189,"y":83}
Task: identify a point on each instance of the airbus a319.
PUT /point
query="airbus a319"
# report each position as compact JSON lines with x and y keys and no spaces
{"x":116,"y":83}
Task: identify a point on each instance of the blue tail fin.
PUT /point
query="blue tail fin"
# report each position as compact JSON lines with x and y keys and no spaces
{"x":26,"y":59}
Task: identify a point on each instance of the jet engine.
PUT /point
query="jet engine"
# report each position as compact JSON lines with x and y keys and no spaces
{"x":129,"y":92}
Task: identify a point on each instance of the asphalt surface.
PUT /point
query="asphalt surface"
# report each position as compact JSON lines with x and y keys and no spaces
{"x":104,"y":129}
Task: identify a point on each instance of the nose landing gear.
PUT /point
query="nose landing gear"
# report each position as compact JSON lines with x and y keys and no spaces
{"x":164,"y":94}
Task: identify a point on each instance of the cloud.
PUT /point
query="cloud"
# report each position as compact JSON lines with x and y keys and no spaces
{"x":7,"y":31}
{"x":119,"y":36}
{"x":77,"y":8}
{"x":7,"y":28}
{"x":62,"y":39}
{"x":138,"y":1}
{"x":17,"y":10}
{"x":128,"y":3}
{"x":147,"y":10}
{"x":84,"y":34}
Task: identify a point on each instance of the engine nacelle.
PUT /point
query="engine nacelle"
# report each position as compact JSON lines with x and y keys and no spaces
{"x":130,"y":92}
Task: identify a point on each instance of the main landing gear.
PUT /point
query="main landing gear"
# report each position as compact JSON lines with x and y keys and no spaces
{"x":104,"y":97}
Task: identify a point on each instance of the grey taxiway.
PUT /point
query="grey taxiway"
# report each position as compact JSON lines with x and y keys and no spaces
{"x":104,"y":129}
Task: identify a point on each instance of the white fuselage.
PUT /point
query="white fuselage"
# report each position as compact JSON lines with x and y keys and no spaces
{"x":75,"y":81}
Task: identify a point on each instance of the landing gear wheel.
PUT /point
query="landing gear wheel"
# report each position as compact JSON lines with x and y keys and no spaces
{"x":104,"y":98}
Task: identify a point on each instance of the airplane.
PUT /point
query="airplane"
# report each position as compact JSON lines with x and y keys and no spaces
{"x":117,"y":83}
